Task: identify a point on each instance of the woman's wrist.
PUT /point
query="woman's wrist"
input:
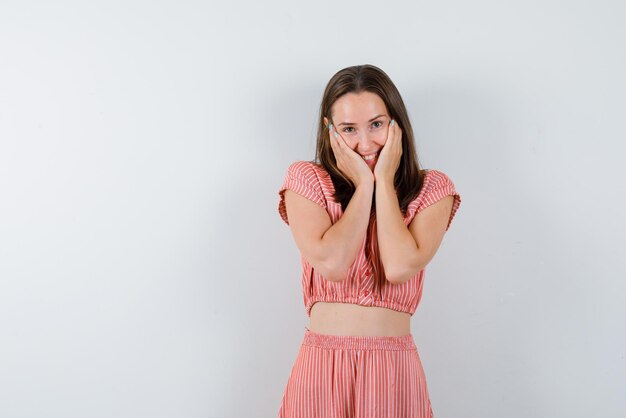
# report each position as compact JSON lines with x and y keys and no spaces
{"x":366,"y":184}
{"x":385,"y":182}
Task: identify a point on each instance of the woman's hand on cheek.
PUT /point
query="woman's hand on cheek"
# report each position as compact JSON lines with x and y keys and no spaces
{"x":389,"y":158}
{"x":349,"y":162}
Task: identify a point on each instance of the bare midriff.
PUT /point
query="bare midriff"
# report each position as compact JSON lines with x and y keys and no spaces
{"x":338,"y":318}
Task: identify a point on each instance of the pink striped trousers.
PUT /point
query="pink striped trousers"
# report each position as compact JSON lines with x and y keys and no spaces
{"x":356,"y":377}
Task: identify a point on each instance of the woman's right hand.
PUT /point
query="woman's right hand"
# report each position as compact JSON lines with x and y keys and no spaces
{"x":348,"y":161}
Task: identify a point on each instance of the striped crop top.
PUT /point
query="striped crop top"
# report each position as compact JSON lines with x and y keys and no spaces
{"x":365,"y":283}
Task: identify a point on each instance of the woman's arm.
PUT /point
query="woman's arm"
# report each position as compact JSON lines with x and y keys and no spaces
{"x":330,"y":249}
{"x":405,"y":251}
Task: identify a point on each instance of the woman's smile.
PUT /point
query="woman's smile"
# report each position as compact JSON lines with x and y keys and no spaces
{"x":370,"y":156}
{"x":371,"y":159}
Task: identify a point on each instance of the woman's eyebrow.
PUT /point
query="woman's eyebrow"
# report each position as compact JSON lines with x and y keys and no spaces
{"x":350,"y":123}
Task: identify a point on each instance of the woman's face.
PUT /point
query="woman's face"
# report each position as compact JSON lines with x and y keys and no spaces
{"x":362,"y":120}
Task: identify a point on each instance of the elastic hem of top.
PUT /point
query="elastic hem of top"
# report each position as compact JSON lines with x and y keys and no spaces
{"x":359,"y":342}
{"x":355,"y":300}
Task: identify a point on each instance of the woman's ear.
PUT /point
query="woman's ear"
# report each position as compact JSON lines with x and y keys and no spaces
{"x":326,"y":121}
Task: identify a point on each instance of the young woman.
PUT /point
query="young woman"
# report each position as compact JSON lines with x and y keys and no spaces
{"x":367,"y":220}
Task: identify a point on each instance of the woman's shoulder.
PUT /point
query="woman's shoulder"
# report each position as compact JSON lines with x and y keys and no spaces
{"x":436,"y":184}
{"x":308,"y":168}
{"x":433,"y":181}
{"x":433,"y":176}
{"x":307,"y":165}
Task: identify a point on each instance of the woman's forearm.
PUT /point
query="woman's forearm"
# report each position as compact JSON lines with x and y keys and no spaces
{"x":397,"y":247}
{"x":343,"y":240}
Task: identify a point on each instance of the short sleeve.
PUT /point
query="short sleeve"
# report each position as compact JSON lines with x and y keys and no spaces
{"x":302,"y":178}
{"x":437,"y":185}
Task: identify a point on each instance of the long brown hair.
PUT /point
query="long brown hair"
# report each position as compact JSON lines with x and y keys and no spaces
{"x":409,"y":177}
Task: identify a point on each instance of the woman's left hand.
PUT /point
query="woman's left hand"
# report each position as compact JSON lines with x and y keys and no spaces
{"x":389,"y":158}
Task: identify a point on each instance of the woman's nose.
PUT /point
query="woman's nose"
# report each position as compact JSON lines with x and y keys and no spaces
{"x":365,"y":141}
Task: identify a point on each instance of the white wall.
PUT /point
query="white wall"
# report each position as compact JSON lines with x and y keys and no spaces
{"x":145,"y":272}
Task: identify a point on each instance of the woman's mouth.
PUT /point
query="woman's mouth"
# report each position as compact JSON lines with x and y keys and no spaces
{"x":370,"y":157}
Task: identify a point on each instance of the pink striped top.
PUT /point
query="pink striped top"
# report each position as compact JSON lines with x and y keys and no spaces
{"x":365,"y":283}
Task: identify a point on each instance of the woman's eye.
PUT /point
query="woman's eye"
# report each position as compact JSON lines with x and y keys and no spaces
{"x":377,"y":124}
{"x":346,"y":129}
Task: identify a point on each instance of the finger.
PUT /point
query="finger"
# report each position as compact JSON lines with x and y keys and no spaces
{"x":331,"y":136}
{"x":389,"y":135}
{"x":335,"y":144}
{"x":398,"y":138}
{"x":341,"y":143}
{"x":396,"y":132}
{"x":337,"y":136}
{"x":347,"y":150}
{"x":390,"y":130}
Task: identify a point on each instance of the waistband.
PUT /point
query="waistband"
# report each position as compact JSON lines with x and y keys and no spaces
{"x":359,"y":342}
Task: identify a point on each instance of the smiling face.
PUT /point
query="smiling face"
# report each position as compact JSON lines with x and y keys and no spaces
{"x":362,"y":120}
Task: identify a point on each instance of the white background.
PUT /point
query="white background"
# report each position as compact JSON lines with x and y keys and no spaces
{"x":145,"y":271}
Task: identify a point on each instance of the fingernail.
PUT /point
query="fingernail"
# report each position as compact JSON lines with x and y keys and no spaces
{"x":330,"y":126}
{"x":393,"y":122}
{"x":336,"y":134}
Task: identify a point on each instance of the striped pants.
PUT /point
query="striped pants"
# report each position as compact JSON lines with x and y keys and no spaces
{"x":356,"y":377}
